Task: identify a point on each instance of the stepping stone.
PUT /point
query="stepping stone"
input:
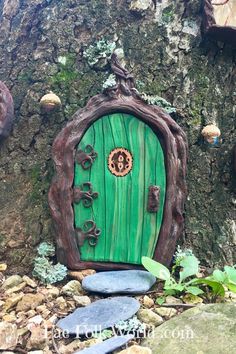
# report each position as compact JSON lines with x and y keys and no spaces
{"x":99,"y":315}
{"x":107,"y":346}
{"x":122,"y":282}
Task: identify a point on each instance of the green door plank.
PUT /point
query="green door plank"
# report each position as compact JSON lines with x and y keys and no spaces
{"x":154,"y":175}
{"x":83,"y":214}
{"x":135,"y":200}
{"x":128,"y":230}
{"x":119,"y":234}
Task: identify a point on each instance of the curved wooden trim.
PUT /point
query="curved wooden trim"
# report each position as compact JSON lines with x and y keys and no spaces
{"x":121,"y":98}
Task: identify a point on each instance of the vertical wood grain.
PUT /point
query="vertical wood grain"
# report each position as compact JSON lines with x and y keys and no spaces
{"x":128,"y":230}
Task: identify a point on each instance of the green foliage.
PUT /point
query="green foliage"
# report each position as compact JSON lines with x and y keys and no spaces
{"x":157,"y":269}
{"x":168,"y":14}
{"x":44,"y":269}
{"x":212,"y":287}
{"x":160,"y":300}
{"x":25,"y":76}
{"x":67,"y":73}
{"x":181,"y":254}
{"x":140,"y":85}
{"x":46,"y":249}
{"x":40,"y":181}
{"x":189,"y":267}
{"x":101,"y":50}
{"x":219,"y":281}
{"x":64,"y":77}
{"x":159,"y":101}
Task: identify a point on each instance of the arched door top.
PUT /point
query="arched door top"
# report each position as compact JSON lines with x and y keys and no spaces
{"x":123,"y":97}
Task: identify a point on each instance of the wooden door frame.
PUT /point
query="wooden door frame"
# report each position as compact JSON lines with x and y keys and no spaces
{"x":124,"y":98}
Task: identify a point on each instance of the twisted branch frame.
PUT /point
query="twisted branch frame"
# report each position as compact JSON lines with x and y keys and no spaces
{"x":123,"y":97}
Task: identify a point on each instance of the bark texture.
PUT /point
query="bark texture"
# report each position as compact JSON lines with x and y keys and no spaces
{"x":52,"y":45}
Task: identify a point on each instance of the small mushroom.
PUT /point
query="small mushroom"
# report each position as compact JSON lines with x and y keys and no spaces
{"x":211,"y":134}
{"x":50,"y":102}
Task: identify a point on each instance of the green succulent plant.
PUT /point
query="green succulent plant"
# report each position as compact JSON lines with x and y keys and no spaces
{"x":46,"y":249}
{"x":44,"y":269}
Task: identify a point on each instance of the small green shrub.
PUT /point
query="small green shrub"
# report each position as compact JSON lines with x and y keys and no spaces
{"x":44,"y":269}
{"x":211,"y":288}
{"x":219,"y":282}
{"x":189,"y":267}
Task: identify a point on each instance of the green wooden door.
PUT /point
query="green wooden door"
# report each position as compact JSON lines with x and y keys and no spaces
{"x":128,"y":230}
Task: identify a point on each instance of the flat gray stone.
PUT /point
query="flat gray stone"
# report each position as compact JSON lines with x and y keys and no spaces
{"x":208,"y":329}
{"x":99,"y":315}
{"x":119,"y":282}
{"x":107,"y":346}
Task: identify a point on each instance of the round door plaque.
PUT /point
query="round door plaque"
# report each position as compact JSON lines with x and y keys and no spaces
{"x":120,"y":162}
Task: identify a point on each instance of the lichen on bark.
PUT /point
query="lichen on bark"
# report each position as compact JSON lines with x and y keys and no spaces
{"x":165,"y":50}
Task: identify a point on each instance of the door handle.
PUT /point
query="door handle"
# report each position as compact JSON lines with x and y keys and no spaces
{"x":153,"y":199}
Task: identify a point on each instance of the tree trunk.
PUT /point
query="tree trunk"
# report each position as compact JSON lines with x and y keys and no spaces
{"x":44,"y":46}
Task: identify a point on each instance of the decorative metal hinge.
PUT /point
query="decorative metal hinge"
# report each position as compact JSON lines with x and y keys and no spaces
{"x":84,"y":193}
{"x":153,"y":199}
{"x":88,"y":232}
{"x":86,"y":158}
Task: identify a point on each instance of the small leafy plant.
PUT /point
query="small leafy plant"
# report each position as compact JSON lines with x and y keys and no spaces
{"x":219,"y":282}
{"x":186,"y":265}
{"x":44,"y":269}
{"x":189,"y":267}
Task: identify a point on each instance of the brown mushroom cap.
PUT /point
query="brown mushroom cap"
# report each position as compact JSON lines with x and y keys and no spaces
{"x":50,"y":98}
{"x":211,"y":130}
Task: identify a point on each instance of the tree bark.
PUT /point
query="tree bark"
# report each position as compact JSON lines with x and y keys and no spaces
{"x":43,"y":46}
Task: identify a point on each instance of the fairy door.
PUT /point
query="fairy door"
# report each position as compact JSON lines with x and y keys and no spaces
{"x":119,"y":190}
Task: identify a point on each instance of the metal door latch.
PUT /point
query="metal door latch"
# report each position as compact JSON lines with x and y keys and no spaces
{"x":153,"y":199}
{"x":88,"y":232}
{"x":84,"y":193}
